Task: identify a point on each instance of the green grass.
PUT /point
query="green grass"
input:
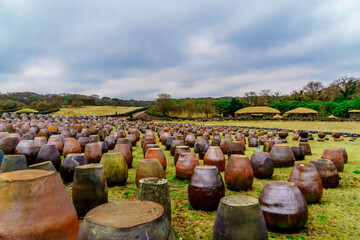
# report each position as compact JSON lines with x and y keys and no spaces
{"x":94,"y":110}
{"x":353,"y":127}
{"x":337,"y":216}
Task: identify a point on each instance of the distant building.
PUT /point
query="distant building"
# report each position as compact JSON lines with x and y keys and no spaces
{"x":354,"y":114}
{"x":301,"y":112}
{"x":257,"y":112}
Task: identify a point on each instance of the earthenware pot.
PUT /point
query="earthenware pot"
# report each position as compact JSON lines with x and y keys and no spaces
{"x":69,"y":164}
{"x":236,"y":147}
{"x":49,"y":152}
{"x":103,"y":146}
{"x":116,"y":169}
{"x":253,"y":142}
{"x":29,"y":149}
{"x":174,"y":144}
{"x":126,"y":220}
{"x":124,"y":149}
{"x":215,"y":157}
{"x":298,"y":153}
{"x":13,"y":163}
{"x":124,"y":141}
{"x":178,"y":151}
{"x":89,"y":188}
{"x":225,"y":145}
{"x":344,"y":154}
{"x":168,"y":142}
{"x":334,"y":155}
{"x":307,"y":148}
{"x":190,"y":140}
{"x":185,"y":165}
{"x":30,"y":215}
{"x":282,"y":155}
{"x":206,"y":188}
{"x":93,"y":152}
{"x":149,"y":168}
{"x":239,"y":174}
{"x":283,"y":206}
{"x":8,"y":144}
{"x":240,"y":217}
{"x":71,"y":146}
{"x":156,"y":153}
{"x":328,"y":172}
{"x":307,"y":179}
{"x":268,"y":145}
{"x":262,"y":165}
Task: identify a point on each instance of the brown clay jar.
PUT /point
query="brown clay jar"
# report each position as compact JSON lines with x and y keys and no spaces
{"x":215,"y":157}
{"x":206,"y":188}
{"x":334,"y":155}
{"x":71,"y":146}
{"x":236,"y":147}
{"x":178,"y":151}
{"x":307,"y":179}
{"x":93,"y":152}
{"x":328,"y":172}
{"x":238,"y":173}
{"x":126,"y":152}
{"x":156,"y":153}
{"x":149,"y":168}
{"x":185,"y":165}
{"x":262,"y":165}
{"x":282,"y":155}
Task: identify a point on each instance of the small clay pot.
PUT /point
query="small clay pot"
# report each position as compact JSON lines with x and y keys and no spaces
{"x":215,"y":157}
{"x":185,"y":165}
{"x":93,"y":152}
{"x":13,"y":163}
{"x":110,"y":142}
{"x":216,"y":141}
{"x":49,"y":152}
{"x":124,"y":141}
{"x":29,"y":149}
{"x":178,"y":151}
{"x":225,"y":145}
{"x":306,"y":146}
{"x":203,"y":147}
{"x":57,"y":141}
{"x":30,"y":215}
{"x":206,"y":188}
{"x":283,"y":136}
{"x":39,"y":141}
{"x":69,"y":164}
{"x":116,"y":169}
{"x":236,"y":147}
{"x":282,"y":155}
{"x":240,"y":217}
{"x":298,"y":153}
{"x":156,"y":153}
{"x":126,"y":152}
{"x":168,"y":142}
{"x":239,"y":174}
{"x":174,"y":144}
{"x":71,"y":146}
{"x":253,"y":142}
{"x":94,"y":138}
{"x":89,"y":188}
{"x":190,"y":140}
{"x":150,"y":146}
{"x":262,"y":165}
{"x":307,"y":179}
{"x":334,"y":155}
{"x":328,"y":172}
{"x":283,"y":206}
{"x":149,"y":168}
{"x":8,"y":144}
{"x":83,"y":141}
{"x":148,"y":140}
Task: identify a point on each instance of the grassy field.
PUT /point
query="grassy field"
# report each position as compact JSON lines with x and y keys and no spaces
{"x":95,"y":110}
{"x":337,"y":216}
{"x":353,"y":127}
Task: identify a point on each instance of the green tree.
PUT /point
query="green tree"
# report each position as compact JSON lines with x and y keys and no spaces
{"x":164,"y":104}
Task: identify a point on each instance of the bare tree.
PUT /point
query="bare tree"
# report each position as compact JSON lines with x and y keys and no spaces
{"x":164,"y":104}
{"x":265,"y":96}
{"x":313,"y":89}
{"x":251,"y":98}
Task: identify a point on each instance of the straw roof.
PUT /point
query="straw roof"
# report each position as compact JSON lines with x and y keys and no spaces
{"x":354,"y":111}
{"x":257,"y":110}
{"x":27,"y":110}
{"x":277,"y":116}
{"x":331,"y":116}
{"x":301,"y":110}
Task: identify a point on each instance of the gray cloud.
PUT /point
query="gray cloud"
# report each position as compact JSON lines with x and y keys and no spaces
{"x":131,"y":49}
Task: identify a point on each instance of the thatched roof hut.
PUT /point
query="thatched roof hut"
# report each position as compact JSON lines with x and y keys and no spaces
{"x":354,"y":114}
{"x":27,"y":110}
{"x":278,"y":116}
{"x":331,"y":116}
{"x":301,"y":112}
{"x":257,"y":112}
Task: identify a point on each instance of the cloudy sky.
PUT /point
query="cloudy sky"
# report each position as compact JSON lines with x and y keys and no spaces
{"x":137,"y":49}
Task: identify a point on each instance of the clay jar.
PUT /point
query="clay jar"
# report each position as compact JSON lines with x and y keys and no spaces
{"x":268,"y":144}
{"x":168,"y":142}
{"x":344,"y":154}
{"x":283,"y":136}
{"x":83,"y":141}
{"x":147,"y":140}
{"x":110,"y":142}
{"x":328,"y":172}
{"x":57,"y":141}
{"x":215,"y":157}
{"x":126,"y":220}
{"x":206,"y":188}
{"x":124,"y":149}
{"x":156,"y":153}
{"x":149,"y":168}
{"x":253,"y":142}
{"x":93,"y":152}
{"x":8,"y":144}
{"x":283,"y":206}
{"x":30,"y":215}
{"x":238,"y":173}
{"x":124,"y":141}
{"x":224,"y":145}
{"x":69,"y":164}
{"x":89,"y":188}
{"x":307,"y":148}
{"x":216,"y":141}
{"x":240,"y":217}
{"x":334,"y":155}
{"x":29,"y":149}
{"x":307,"y":179}
{"x":178,"y":151}
{"x":71,"y":146}
{"x":116,"y":169}
{"x":49,"y":152}
{"x":236,"y":147}
{"x":282,"y":155}
{"x":190,"y":140}
{"x":186,"y":164}
{"x":13,"y":163}
{"x":39,"y":141}
{"x":174,"y":144}
{"x":298,"y":153}
{"x":202,"y":147}
{"x":262,"y":165}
